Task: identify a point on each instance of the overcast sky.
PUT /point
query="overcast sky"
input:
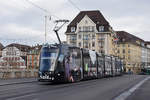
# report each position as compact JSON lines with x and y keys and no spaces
{"x":21,"y":22}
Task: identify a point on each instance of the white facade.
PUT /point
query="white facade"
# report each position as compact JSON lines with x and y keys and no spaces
{"x":144,"y":56}
{"x":86,"y":35}
{"x":12,"y":58}
{"x":148,"y":55}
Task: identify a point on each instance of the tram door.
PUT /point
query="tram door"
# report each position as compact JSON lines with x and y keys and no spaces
{"x":86,"y":62}
{"x":100,"y":66}
{"x":89,"y":64}
{"x":107,"y":66}
{"x":113,"y":66}
{"x":75,"y":63}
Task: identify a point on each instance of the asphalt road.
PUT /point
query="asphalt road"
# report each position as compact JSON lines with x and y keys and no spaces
{"x":142,"y":93}
{"x":100,"y":89}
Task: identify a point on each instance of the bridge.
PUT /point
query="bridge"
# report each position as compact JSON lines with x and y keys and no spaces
{"x":126,"y":87}
{"x":17,"y":73}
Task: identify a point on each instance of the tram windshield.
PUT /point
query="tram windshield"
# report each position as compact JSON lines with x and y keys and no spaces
{"x":48,"y":58}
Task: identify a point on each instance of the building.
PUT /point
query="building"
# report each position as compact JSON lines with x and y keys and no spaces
{"x":33,"y":57}
{"x":14,"y":56}
{"x":148,"y":53}
{"x":144,"y":54}
{"x":1,"y":47}
{"x":131,"y":50}
{"x":89,"y":29}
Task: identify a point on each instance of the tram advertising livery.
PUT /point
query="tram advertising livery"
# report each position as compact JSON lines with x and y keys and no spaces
{"x":65,"y":63}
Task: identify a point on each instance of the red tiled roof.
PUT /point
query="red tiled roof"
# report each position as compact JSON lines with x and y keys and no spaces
{"x":94,"y":15}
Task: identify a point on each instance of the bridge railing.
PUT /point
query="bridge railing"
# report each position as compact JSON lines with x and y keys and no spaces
{"x":18,"y":73}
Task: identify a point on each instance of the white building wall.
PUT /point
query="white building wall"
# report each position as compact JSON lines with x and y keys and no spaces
{"x":11,"y":55}
{"x":87,"y":22}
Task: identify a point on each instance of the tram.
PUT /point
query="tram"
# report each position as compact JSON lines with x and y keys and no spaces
{"x":65,"y":63}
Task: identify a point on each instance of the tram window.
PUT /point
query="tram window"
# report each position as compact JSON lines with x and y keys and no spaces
{"x":86,"y":62}
{"x":61,"y":57}
{"x":92,"y":55}
{"x":86,"y":59}
{"x":75,"y":57}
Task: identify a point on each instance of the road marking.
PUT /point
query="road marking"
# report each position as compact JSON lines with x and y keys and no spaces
{"x":127,"y":93}
{"x":21,"y":97}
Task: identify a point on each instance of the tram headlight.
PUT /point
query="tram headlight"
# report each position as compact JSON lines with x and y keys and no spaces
{"x":52,"y":78}
{"x":58,"y":74}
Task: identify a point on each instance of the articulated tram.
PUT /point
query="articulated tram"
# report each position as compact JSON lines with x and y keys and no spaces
{"x":65,"y":63}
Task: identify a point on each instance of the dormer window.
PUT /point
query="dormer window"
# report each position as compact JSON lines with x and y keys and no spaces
{"x":80,"y":29}
{"x":72,"y":29}
{"x":86,"y":22}
{"x":101,"y":28}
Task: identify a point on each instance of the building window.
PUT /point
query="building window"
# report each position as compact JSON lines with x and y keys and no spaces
{"x":123,"y":51}
{"x":93,"y":36}
{"x":128,"y":51}
{"x":79,"y":37}
{"x":30,"y":63}
{"x":93,"y":44}
{"x":86,"y":44}
{"x":123,"y":45}
{"x":73,"y":37}
{"x":129,"y":57}
{"x":92,"y":28}
{"x":35,"y":63}
{"x":85,"y":37}
{"x":102,"y":51}
{"x":118,"y":51}
{"x":89,"y":45}
{"x":72,"y":29}
{"x":79,"y":29}
{"x":73,"y":43}
{"x":86,"y":29}
{"x":86,"y":22}
{"x":35,"y":58}
{"x":79,"y":44}
{"x":101,"y":28}
{"x":30,"y":57}
{"x":123,"y":56}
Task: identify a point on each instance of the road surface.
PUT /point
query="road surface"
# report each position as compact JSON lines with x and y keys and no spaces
{"x":99,"y":89}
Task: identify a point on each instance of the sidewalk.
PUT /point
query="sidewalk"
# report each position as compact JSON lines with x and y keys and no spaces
{"x":17,"y":81}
